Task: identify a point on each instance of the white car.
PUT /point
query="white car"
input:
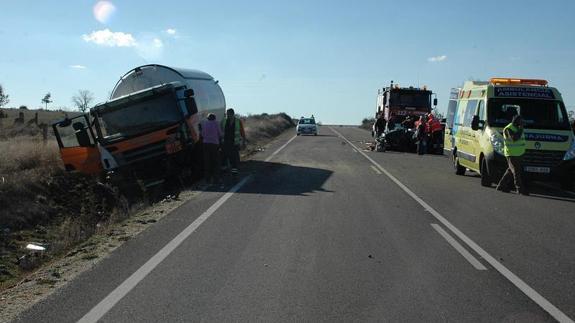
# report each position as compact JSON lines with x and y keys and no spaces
{"x":306,"y":126}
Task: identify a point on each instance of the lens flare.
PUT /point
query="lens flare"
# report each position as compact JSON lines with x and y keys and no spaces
{"x":103,"y":11}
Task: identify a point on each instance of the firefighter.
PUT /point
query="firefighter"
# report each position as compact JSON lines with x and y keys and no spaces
{"x":234,"y":138}
{"x":421,"y":135}
{"x":513,"y":149}
{"x":434,"y":129}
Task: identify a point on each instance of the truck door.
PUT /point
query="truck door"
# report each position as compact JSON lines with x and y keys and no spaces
{"x":78,"y":147}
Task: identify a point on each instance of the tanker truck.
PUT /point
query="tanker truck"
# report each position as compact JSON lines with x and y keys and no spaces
{"x":148,"y":130}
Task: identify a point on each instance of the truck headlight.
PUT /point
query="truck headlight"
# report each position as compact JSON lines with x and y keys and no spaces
{"x":496,"y":140}
{"x":570,"y":154}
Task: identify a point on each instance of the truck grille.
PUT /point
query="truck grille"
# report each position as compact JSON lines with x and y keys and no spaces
{"x":544,"y":158}
{"x":145,"y":152}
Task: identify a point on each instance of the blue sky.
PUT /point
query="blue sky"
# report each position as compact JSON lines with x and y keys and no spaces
{"x":301,"y":57}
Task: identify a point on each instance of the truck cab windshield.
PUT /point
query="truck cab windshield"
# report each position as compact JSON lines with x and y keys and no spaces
{"x":416,"y":99}
{"x":134,"y":118}
{"x":537,"y":114}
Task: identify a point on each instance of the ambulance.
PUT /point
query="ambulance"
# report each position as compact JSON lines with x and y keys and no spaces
{"x":477,"y":114}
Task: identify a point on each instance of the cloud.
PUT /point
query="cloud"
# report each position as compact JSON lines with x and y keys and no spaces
{"x":78,"y":67}
{"x":156,"y":42}
{"x":103,"y":11}
{"x":108,"y":38}
{"x":149,"y":47}
{"x":171,"y":31}
{"x":436,"y":59}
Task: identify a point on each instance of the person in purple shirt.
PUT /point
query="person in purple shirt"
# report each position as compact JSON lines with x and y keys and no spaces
{"x":211,"y":137}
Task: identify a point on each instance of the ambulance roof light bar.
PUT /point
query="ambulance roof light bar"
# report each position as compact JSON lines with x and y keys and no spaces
{"x":515,"y":81}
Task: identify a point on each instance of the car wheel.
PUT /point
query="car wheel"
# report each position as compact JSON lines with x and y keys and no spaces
{"x":459,"y":170}
{"x":485,"y":176}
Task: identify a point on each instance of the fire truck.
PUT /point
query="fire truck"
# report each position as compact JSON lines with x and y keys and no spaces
{"x":401,"y":107}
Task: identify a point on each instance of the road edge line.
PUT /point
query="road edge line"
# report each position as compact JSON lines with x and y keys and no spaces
{"x":458,"y":247}
{"x":279,"y":149}
{"x":105,"y":305}
{"x":555,"y":312}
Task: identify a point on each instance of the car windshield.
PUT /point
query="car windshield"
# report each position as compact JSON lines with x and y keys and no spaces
{"x":139,"y":117}
{"x":307,"y":121}
{"x":536,"y":113}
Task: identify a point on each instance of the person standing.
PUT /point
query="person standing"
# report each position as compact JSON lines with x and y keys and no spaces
{"x":513,"y":149}
{"x":421,"y":135}
{"x":234,"y":137}
{"x":435,"y":131}
{"x":379,"y":125}
{"x":211,"y":137}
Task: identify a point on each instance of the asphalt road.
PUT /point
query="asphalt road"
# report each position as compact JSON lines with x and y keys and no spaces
{"x":325,"y":231}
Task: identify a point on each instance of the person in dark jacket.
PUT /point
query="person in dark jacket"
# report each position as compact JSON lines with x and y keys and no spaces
{"x":234,"y":138}
{"x":380,"y":124}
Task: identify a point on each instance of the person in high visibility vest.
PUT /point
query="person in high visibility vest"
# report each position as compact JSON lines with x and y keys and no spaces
{"x":234,"y":138}
{"x":513,"y":149}
{"x":434,"y":130}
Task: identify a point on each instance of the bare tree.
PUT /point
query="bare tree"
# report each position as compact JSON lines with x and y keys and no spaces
{"x":47,"y":99}
{"x":4,"y":98}
{"x":83,"y":99}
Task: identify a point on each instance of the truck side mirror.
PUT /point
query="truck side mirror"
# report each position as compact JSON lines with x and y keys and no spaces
{"x":435,"y":101}
{"x":189,"y":93}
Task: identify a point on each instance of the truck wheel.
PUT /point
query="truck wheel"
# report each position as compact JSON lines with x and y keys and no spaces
{"x":459,"y":170}
{"x":485,"y":176}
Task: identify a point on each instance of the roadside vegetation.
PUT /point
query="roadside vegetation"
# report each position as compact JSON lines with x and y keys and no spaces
{"x":42,"y":204}
{"x":366,"y":123}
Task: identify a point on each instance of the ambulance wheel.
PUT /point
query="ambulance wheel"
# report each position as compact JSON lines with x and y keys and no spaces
{"x":485,"y":176}
{"x":459,"y":170}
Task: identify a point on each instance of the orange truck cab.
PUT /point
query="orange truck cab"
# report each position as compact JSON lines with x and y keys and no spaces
{"x":148,"y":130}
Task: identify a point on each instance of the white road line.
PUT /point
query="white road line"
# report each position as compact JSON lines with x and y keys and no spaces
{"x":117,"y":294}
{"x":279,"y":149}
{"x":376,"y":170}
{"x":520,"y":284}
{"x":354,"y":150}
{"x":457,"y":246}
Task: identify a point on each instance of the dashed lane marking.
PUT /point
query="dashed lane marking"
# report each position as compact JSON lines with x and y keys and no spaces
{"x":514,"y":279}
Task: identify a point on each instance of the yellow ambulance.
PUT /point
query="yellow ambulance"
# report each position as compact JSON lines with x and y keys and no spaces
{"x":477,"y":114}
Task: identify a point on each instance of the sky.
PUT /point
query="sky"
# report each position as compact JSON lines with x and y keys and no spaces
{"x":326,"y":58}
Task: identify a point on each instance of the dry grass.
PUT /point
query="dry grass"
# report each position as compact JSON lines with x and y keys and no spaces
{"x":27,"y":153}
{"x":266,"y":126}
{"x":26,"y":163}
